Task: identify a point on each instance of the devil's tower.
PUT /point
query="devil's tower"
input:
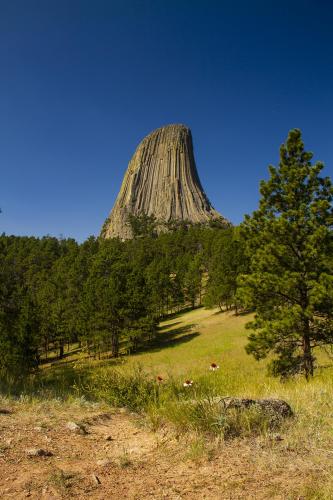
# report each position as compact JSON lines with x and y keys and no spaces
{"x":161,"y":180}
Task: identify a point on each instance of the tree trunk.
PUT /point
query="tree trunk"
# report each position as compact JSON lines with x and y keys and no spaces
{"x":115,"y":344}
{"x":307,"y":354}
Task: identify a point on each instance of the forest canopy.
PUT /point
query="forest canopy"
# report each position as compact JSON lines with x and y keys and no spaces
{"x":106,"y":295}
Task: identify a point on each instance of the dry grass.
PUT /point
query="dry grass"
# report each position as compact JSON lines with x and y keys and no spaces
{"x":293,"y":462}
{"x":142,"y":464}
{"x":201,"y":337}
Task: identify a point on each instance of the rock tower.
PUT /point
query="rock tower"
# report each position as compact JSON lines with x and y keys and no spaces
{"x":161,"y":180}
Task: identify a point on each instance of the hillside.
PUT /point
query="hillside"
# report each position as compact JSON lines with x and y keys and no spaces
{"x":158,"y":454}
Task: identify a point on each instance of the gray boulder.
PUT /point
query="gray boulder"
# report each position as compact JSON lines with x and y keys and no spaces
{"x":275,"y":409}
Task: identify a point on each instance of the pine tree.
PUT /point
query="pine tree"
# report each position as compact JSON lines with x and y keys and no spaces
{"x":193,"y":280}
{"x":104,"y":297}
{"x":226,"y":264}
{"x":289,"y":243}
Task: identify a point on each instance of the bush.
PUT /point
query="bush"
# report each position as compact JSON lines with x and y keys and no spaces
{"x":209,"y":417}
{"x":135,"y":389}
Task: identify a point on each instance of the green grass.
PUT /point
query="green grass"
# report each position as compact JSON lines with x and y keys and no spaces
{"x":186,"y":346}
{"x":198,"y":338}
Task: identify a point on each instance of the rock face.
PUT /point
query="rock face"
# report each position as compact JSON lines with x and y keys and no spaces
{"x":161,"y":181}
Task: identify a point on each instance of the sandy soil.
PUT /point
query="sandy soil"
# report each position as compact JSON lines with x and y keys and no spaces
{"x":120,"y":458}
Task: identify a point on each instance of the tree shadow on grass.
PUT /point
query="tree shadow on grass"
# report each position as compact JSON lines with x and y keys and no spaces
{"x":171,"y":338}
{"x":180,"y":313}
{"x":244,"y":313}
{"x":219,"y":312}
{"x":58,"y":382}
{"x":53,"y":358}
{"x":61,"y":377}
{"x":169,"y":325}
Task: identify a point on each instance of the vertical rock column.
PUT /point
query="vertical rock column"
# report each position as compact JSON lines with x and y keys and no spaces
{"x":161,"y":180}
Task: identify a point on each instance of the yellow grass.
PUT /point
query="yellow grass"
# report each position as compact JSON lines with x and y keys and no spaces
{"x":300,"y":461}
{"x":220,"y":338}
{"x":190,"y":342}
{"x":186,"y":347}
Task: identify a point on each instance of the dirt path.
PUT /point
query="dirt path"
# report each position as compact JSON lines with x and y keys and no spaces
{"x":119,"y":458}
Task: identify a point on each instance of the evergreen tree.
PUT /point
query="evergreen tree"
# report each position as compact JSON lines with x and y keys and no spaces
{"x":107,"y":293}
{"x":226,"y":264}
{"x":104,"y":302}
{"x":193,"y":280}
{"x":289,"y":244}
{"x":143,"y":225}
{"x":18,"y":325}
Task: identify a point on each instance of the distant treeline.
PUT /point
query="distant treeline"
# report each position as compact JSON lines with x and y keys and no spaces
{"x":107,"y":295}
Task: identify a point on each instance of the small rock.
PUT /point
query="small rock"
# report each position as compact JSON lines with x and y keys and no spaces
{"x":108,"y":438}
{"x":72,"y":426}
{"x":100,"y":417}
{"x":38,"y":428}
{"x":77,"y":428}
{"x":95,"y":479}
{"x":122,"y":410}
{"x":38,"y":452}
{"x":277,"y":437}
{"x":5,"y":411}
{"x":104,"y":462}
{"x":9,"y":441}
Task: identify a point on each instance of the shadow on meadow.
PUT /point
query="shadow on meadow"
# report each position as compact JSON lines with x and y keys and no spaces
{"x":58,"y":381}
{"x":67,"y":376}
{"x":164,"y":339}
{"x":170,"y":338}
{"x":54,"y":357}
{"x":180,"y":313}
{"x":217,"y":313}
{"x":168,"y":326}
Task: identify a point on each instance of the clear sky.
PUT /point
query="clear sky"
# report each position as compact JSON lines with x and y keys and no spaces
{"x":83,"y":81}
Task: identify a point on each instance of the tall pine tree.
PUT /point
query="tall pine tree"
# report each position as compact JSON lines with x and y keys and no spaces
{"x":289,"y":243}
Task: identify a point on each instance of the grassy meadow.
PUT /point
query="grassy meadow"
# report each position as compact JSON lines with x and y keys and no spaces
{"x":188,"y":343}
{"x":186,"y":346}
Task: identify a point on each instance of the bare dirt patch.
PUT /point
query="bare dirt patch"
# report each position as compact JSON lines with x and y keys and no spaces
{"x":118,"y":457}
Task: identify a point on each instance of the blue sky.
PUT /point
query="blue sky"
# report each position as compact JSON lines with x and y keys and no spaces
{"x":82,"y":82}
